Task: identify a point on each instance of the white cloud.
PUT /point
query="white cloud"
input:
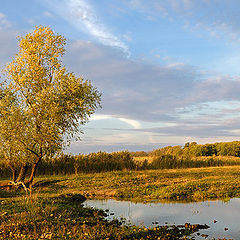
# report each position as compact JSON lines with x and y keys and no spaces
{"x":96,"y":117}
{"x":135,"y":124}
{"x":81,"y":14}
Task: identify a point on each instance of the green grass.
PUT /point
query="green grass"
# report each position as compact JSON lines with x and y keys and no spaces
{"x":52,"y":214}
{"x":64,"y":217}
{"x":193,"y":184}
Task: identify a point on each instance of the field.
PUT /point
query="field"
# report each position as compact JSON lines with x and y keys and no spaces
{"x":64,"y":217}
{"x":54,"y":210}
{"x":192,"y":184}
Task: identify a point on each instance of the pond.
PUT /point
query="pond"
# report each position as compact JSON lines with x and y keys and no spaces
{"x":222,"y":217}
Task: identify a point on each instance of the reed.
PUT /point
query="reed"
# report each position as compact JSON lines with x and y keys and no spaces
{"x":119,"y":161}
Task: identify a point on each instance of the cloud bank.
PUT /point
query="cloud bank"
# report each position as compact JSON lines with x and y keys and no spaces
{"x":143,"y":91}
{"x":198,"y":104}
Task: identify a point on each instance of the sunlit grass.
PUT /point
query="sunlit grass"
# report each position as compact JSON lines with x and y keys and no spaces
{"x":193,"y":184}
{"x":51,"y":214}
{"x":64,"y":217}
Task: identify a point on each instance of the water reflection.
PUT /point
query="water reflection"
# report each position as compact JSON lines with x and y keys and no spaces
{"x":222,"y":217}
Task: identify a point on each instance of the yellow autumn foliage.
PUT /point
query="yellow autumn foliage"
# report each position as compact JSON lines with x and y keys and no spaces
{"x":40,"y":101}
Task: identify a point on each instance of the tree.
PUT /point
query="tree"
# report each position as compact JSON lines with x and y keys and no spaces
{"x":42,"y":105}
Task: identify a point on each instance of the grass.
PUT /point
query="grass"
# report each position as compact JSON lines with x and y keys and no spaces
{"x":55,"y":212}
{"x":173,"y":184}
{"x":64,"y":217}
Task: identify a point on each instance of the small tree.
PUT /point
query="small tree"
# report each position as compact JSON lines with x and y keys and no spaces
{"x":41,"y":103}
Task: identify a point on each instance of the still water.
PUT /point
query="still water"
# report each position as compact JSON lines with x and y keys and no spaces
{"x":222,"y":217}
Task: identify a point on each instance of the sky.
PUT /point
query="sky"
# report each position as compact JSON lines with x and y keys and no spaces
{"x":168,"y":70}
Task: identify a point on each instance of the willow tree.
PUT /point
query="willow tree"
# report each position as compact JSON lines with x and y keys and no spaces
{"x":42,"y":105}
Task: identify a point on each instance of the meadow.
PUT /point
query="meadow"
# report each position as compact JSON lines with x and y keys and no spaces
{"x":63,"y":217}
{"x":192,"y":184}
{"x":53,"y":209}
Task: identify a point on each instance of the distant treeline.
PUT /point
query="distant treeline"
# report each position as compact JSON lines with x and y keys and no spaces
{"x":191,"y":155}
{"x":196,"y":150}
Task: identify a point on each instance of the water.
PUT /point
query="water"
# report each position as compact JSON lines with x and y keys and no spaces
{"x":227,"y":214}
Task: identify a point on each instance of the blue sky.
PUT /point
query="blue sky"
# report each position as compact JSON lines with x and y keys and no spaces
{"x":168,"y":69}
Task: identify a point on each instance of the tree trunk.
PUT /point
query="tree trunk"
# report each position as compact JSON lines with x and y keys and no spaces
{"x":22,"y":173}
{"x":33,"y":172}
